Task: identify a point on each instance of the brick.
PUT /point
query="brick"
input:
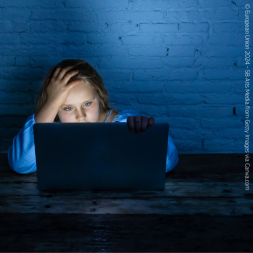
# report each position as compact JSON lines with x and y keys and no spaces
{"x":180,"y":39}
{"x":232,"y":27}
{"x":218,"y":74}
{"x":200,"y":110}
{"x":148,"y":5}
{"x":224,"y":123}
{"x":222,"y":144}
{"x":217,"y":98}
{"x":198,"y":86}
{"x":214,"y":3}
{"x":123,"y":62}
{"x":169,"y":99}
{"x":45,"y":4}
{"x":193,"y":27}
{"x":169,"y":74}
{"x":158,"y":28}
{"x":215,"y":62}
{"x":229,"y":39}
{"x":135,"y":17}
{"x":137,"y":39}
{"x":112,"y":39}
{"x":147,"y":51}
{"x":97,"y":5}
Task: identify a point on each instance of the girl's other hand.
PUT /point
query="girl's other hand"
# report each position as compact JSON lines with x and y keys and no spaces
{"x":58,"y":89}
{"x":139,"y":123}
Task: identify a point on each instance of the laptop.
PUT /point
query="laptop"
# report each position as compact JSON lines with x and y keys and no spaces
{"x":100,"y":157}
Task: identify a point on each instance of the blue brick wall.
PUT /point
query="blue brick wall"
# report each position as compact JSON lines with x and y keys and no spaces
{"x":181,"y":62}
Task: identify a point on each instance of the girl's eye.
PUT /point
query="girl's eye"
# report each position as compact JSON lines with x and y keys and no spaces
{"x":71,"y":107}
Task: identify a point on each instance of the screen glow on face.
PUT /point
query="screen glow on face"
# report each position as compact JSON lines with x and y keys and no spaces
{"x":71,"y":107}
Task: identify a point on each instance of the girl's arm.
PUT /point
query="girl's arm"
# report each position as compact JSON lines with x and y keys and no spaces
{"x":21,"y":154}
{"x":172,"y":155}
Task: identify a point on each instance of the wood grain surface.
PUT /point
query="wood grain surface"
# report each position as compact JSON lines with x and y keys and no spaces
{"x":204,"y":208}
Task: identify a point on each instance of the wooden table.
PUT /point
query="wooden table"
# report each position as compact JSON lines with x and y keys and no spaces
{"x":204,"y":208}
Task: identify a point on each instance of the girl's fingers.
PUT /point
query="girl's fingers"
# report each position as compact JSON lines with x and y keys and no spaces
{"x":63,"y":75}
{"x":144,"y":123}
{"x":56,"y":72}
{"x":130,"y":123}
{"x":69,"y":75}
{"x":137,"y":123}
{"x":151,"y":122}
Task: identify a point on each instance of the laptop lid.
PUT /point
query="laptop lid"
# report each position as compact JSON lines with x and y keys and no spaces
{"x":100,"y":156}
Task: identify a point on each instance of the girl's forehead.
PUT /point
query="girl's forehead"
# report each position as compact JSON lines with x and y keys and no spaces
{"x":81,"y":93}
{"x":83,"y":87}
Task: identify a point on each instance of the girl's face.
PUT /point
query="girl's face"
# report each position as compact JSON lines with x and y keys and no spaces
{"x":81,"y":105}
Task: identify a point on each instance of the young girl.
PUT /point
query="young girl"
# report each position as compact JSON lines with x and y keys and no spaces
{"x":73,"y":91}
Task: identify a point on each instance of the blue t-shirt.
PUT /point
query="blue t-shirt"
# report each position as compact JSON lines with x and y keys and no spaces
{"x":21,"y":154}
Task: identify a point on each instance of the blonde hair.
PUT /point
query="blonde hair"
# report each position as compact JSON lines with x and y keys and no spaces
{"x":86,"y":73}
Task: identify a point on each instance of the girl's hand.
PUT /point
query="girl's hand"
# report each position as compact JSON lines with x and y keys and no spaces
{"x":58,"y":88}
{"x":139,"y":123}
